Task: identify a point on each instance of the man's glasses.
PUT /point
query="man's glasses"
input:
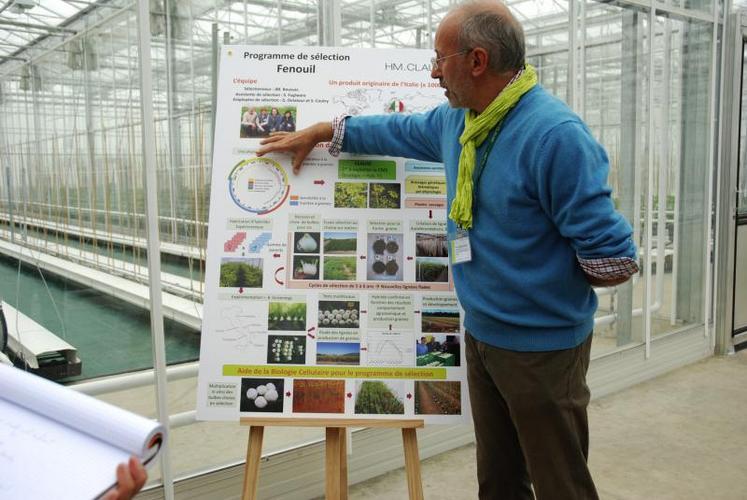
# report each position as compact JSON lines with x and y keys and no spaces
{"x":436,"y":60}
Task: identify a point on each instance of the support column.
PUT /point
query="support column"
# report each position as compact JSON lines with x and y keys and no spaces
{"x":153,"y":240}
{"x":627,"y":167}
{"x":694,"y":171}
{"x":330,"y":23}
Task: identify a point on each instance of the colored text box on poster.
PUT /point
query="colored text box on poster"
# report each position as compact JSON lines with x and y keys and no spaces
{"x":367,"y":169}
{"x":415,"y":166}
{"x":425,"y":184}
{"x":428,"y":203}
{"x":334,"y":372}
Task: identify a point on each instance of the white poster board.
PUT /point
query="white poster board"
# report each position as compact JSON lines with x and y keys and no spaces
{"x":328,"y":294}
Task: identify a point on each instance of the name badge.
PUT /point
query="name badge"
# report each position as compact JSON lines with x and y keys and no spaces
{"x":460,"y":250}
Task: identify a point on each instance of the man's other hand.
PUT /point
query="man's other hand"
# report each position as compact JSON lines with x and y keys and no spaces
{"x":130,"y":478}
{"x":299,"y":144}
{"x":596,"y":281}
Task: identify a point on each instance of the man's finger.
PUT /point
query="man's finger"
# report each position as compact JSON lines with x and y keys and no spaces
{"x":110,"y":495}
{"x":297,"y":164}
{"x":138,"y":473}
{"x":125,"y":484}
{"x":267,"y":148}
{"x":273,"y":138}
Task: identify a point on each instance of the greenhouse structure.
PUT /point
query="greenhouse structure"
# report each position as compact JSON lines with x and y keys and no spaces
{"x":107,"y":123}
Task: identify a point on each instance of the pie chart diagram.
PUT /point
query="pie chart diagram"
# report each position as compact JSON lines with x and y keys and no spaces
{"x":258,"y":185}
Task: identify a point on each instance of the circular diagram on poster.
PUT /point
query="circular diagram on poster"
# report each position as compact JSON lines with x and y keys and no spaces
{"x":258,"y":185}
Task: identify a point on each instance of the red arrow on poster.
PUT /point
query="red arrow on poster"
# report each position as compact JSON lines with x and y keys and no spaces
{"x":276,"y":255}
{"x":363,"y":311}
{"x":430,"y":214}
{"x":409,"y":258}
{"x":416,"y":312}
{"x":311,"y":329}
{"x":363,"y":257}
{"x":350,"y":395}
{"x":320,"y":182}
{"x":409,"y":396}
{"x":276,"y":275}
{"x":241,"y":289}
{"x":288,"y":394}
{"x":311,"y":336}
{"x":364,"y":348}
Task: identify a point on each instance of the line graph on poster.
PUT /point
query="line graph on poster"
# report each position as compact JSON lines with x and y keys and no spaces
{"x":387,"y":349}
{"x":258,"y":185}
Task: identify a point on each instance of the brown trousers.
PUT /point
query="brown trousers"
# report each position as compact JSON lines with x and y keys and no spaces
{"x":531,"y":427}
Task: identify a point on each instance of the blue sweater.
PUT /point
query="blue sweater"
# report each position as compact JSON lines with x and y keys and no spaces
{"x":541,"y":201}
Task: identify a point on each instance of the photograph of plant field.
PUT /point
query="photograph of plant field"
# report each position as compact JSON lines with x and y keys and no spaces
{"x":384,"y":195}
{"x":438,"y":398}
{"x":240,"y":273}
{"x":431,"y":245}
{"x":340,"y":243}
{"x":338,"y":353}
{"x":439,"y":321}
{"x":351,"y":194}
{"x":374,"y":397}
{"x":432,"y":269}
{"x":286,"y":316}
{"x":318,"y":396}
{"x":339,"y":268}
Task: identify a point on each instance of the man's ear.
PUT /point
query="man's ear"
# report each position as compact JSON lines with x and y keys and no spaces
{"x":479,"y":61}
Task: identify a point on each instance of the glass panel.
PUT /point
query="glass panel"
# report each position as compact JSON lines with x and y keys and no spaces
{"x":742,"y":172}
{"x":73,"y":182}
{"x":703,"y":6}
{"x":71,"y":203}
{"x":546,"y":28}
{"x":376,"y":23}
{"x":616,"y":109}
{"x":682,"y":83}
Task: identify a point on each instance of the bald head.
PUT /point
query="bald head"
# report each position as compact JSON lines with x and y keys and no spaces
{"x":490,"y":25}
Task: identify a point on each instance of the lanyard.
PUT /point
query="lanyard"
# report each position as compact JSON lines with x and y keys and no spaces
{"x":484,"y":160}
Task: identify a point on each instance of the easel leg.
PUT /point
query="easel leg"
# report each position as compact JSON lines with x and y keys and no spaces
{"x":412,"y":464}
{"x":253,"y":456}
{"x":336,"y":465}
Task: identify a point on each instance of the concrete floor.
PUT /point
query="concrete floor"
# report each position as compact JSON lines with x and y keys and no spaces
{"x":681,"y":436}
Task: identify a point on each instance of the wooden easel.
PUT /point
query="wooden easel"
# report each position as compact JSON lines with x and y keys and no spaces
{"x":336,"y":463}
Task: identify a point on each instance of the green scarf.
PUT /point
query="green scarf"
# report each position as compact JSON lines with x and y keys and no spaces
{"x":476,"y":130}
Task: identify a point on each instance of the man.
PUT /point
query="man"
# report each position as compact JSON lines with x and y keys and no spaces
{"x":534,"y":227}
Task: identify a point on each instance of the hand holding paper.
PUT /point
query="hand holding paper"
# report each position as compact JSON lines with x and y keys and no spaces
{"x":130,"y":478}
{"x":58,"y":443}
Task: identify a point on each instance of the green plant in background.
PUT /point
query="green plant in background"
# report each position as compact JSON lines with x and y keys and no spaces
{"x":350,"y":194}
{"x":384,"y":195}
{"x":431,"y":271}
{"x":245,"y":274}
{"x":340,"y":245}
{"x":287,"y":316}
{"x":339,"y":268}
{"x":374,"y":397}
